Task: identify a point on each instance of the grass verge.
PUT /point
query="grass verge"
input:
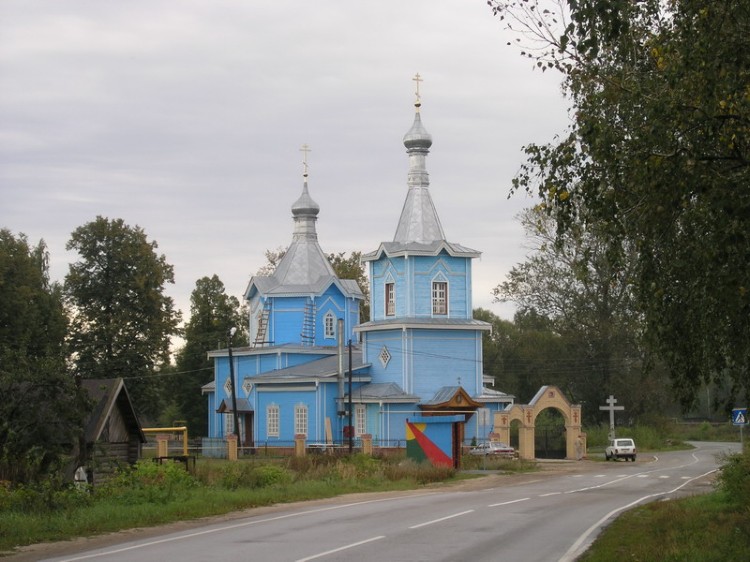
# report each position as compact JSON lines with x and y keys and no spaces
{"x":697,"y":529}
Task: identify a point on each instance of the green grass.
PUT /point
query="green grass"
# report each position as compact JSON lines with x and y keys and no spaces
{"x":697,"y":529}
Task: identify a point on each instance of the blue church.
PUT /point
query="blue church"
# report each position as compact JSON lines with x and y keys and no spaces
{"x":313,"y":364}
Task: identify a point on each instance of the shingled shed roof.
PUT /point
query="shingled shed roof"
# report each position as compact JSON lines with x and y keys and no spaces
{"x":108,"y":394}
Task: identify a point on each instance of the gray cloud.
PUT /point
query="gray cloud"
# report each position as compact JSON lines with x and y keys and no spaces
{"x":186,"y":118}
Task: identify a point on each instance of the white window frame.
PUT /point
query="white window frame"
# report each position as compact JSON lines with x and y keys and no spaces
{"x":329,"y":325}
{"x":300,"y":419}
{"x":360,"y":419}
{"x":228,"y":423}
{"x":389,"y":295}
{"x":440,"y":302}
{"x":273,"y":417}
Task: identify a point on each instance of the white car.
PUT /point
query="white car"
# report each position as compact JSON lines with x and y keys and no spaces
{"x":620,"y":449}
{"x":493,"y":448}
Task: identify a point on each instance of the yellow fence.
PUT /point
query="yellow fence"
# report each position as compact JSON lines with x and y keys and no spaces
{"x":182,"y":429}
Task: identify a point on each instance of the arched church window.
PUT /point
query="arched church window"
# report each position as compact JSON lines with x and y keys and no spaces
{"x":329,"y":322}
{"x":390,"y":299}
{"x":300,"y":419}
{"x":439,"y":297}
{"x":272,"y":420}
{"x":360,"y":415}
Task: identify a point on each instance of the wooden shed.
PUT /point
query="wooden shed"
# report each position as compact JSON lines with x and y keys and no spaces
{"x":112,"y":434}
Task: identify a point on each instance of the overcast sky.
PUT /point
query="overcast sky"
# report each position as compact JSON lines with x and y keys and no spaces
{"x":186,"y":118}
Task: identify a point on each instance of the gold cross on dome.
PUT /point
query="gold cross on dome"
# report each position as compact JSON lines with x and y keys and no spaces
{"x":417,"y":79}
{"x":305,"y":149}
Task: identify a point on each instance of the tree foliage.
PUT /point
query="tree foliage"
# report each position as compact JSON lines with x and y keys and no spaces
{"x":212,"y":314}
{"x":351,"y":268}
{"x":657,"y":154}
{"x":41,"y":409}
{"x":122,"y":320}
{"x":571,"y":294}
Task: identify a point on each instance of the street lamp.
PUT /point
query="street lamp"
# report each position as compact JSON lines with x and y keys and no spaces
{"x":232,"y":331}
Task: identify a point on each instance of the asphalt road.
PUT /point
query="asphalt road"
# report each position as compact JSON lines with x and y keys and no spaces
{"x":551,"y":516}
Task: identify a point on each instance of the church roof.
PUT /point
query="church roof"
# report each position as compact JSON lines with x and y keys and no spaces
{"x":419,"y":221}
{"x":382,"y":392}
{"x":450,"y":396}
{"x":226,"y":406}
{"x":304,"y":261}
{"x":433,"y":248}
{"x":492,"y":395}
{"x":419,"y":231}
{"x":304,"y":269}
{"x":432,"y":323}
{"x":270,"y":285}
{"x":317,"y":369}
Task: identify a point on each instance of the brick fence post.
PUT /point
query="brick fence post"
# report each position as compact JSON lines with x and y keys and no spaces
{"x":299,"y":445}
{"x":162,"y":444}
{"x":232,"y":447}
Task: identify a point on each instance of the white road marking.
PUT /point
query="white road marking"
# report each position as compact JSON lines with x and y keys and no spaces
{"x":441,"y":519}
{"x":335,"y":550}
{"x":550,"y":494}
{"x":508,"y":503}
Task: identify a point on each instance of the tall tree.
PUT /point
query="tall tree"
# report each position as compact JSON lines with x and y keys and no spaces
{"x":41,"y":410}
{"x":586,"y":298}
{"x":658,"y":153}
{"x":122,"y":320}
{"x":212,"y":314}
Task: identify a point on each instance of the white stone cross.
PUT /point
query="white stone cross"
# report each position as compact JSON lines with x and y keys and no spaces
{"x":611,"y":401}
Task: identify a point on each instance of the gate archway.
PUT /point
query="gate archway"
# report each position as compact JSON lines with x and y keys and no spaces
{"x":526,"y":414}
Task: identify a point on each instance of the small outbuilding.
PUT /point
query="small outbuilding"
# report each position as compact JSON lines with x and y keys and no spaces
{"x":113,"y":436}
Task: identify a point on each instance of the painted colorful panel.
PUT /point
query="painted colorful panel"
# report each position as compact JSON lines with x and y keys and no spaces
{"x":430,"y":439}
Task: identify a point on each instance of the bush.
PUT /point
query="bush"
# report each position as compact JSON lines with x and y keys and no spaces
{"x":734,"y":480}
{"x":645,"y":437}
{"x":44,"y":497}
{"x":149,"y":482}
{"x":270,"y":475}
{"x":422,"y":473}
{"x":244,"y":475}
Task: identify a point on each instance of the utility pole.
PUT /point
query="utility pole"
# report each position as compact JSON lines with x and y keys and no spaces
{"x":231,"y":333}
{"x":351,"y":427}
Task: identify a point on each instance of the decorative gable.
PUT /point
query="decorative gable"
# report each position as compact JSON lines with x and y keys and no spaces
{"x":453,"y":398}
